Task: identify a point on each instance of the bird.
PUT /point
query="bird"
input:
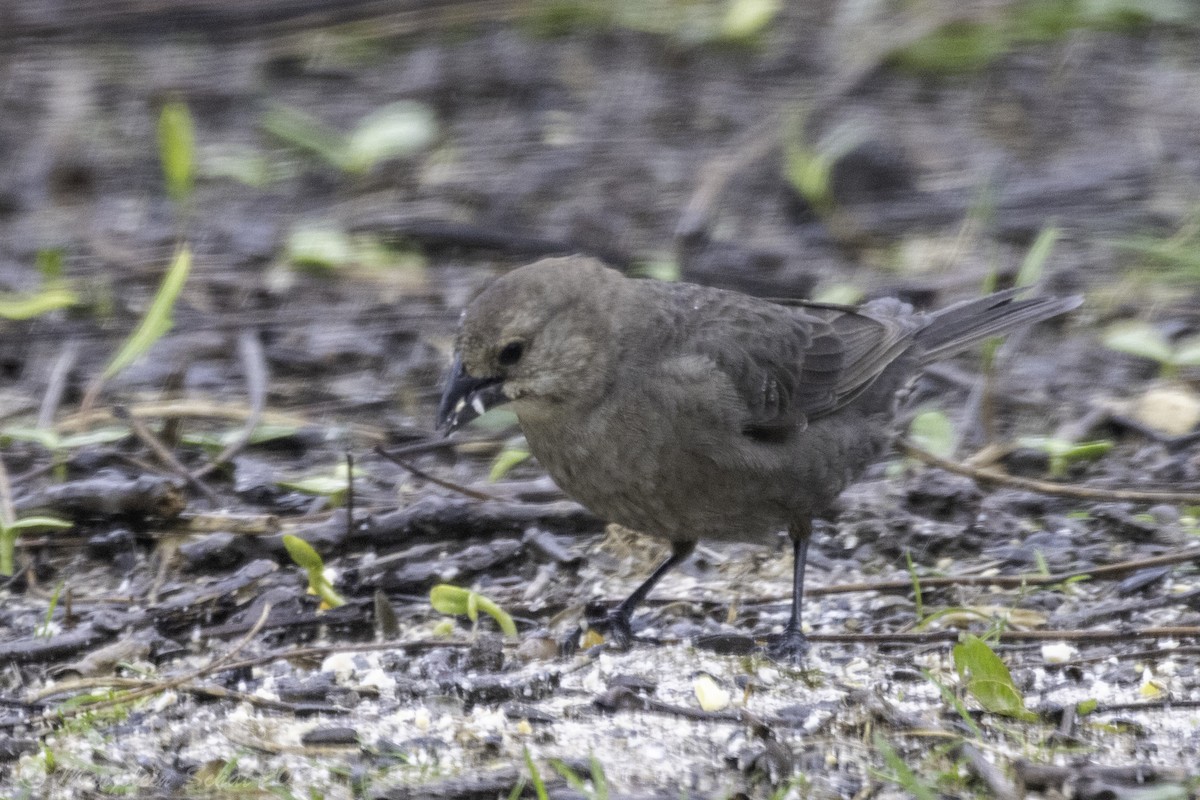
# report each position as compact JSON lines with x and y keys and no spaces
{"x":691,"y":413}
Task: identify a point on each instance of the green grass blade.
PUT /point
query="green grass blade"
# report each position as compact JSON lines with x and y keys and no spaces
{"x":158,"y":319}
{"x":176,"y":149}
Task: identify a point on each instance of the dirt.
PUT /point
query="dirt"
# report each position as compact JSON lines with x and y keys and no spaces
{"x":658,"y":150}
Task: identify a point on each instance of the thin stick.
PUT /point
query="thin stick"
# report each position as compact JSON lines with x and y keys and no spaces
{"x":254,"y":363}
{"x":981,"y":475}
{"x":425,"y":476}
{"x":160,"y":450}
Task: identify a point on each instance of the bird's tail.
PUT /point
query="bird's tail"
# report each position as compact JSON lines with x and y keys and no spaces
{"x":961,"y":325}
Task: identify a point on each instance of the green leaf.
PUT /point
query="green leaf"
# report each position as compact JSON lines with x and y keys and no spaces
{"x":746,"y":19}
{"x":10,"y":531}
{"x":599,"y":779}
{"x":27,"y":306}
{"x":842,"y":294}
{"x":1031,"y":268}
{"x":987,"y":679}
{"x":1063,"y":452}
{"x":573,"y":780}
{"x":158,"y":319}
{"x":242,"y":164}
{"x":91,"y":438}
{"x":319,"y":485}
{"x":539,"y":786}
{"x":1139,"y":339}
{"x":319,"y":247}
{"x":50,"y":264}
{"x":176,"y":149}
{"x":664,"y":269}
{"x":1085,"y":707}
{"x":305,"y":133}
{"x":933,"y":431}
{"x":496,"y":419}
{"x":447,"y":599}
{"x":303,"y":554}
{"x":45,"y":437}
{"x":505,"y":460}
{"x":31,"y":523}
{"x":954,"y":48}
{"x":394,"y":131}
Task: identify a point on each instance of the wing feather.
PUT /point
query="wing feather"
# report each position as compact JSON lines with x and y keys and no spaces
{"x":789,"y":364}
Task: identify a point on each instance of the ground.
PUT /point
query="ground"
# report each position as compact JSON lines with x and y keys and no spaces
{"x":361,"y":172}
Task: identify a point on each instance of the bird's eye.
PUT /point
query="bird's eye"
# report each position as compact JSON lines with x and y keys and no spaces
{"x":511,"y":353}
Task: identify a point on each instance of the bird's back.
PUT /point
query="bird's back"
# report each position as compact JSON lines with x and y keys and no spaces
{"x":729,"y":416}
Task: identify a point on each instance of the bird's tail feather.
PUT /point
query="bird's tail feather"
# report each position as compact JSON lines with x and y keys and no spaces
{"x":959,"y":326}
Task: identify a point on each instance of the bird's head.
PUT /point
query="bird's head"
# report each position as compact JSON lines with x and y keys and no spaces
{"x":538,"y":337}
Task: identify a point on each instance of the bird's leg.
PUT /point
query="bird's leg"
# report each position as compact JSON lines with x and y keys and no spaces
{"x":617,"y":623}
{"x":791,"y":645}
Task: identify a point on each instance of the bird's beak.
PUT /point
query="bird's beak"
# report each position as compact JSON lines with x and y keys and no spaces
{"x":466,"y":398}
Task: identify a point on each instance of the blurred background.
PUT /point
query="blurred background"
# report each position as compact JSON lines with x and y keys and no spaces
{"x":358,"y":169}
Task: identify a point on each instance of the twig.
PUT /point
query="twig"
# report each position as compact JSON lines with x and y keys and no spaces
{"x":147,"y":437}
{"x":1044,"y":487}
{"x":171,"y":683}
{"x":57,"y":383}
{"x":425,"y":476}
{"x":8,"y":514}
{"x":254,"y":364}
{"x":1107,"y":571}
{"x":953,"y":634}
{"x":246,"y":524}
{"x":349,"y":494}
{"x":204,"y":690}
{"x":999,"y":784}
{"x":716,"y":174}
{"x":1136,"y":655}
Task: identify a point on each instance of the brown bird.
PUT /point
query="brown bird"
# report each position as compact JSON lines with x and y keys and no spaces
{"x":688,"y":412}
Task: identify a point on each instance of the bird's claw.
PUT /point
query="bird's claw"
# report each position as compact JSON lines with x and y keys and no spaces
{"x":615,"y":626}
{"x":789,"y":647}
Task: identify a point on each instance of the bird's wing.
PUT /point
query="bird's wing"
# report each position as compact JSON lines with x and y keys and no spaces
{"x":790,"y":365}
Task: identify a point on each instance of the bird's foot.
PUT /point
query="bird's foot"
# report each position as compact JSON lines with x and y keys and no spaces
{"x":615,"y":626}
{"x":789,"y":647}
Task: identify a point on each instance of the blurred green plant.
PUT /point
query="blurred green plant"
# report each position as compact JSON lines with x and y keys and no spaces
{"x":45,"y":630}
{"x":1144,"y":340}
{"x":53,"y":294}
{"x":902,"y":774}
{"x":514,"y":453}
{"x":397,"y":130}
{"x":808,"y":167}
{"x":1062,"y":453}
{"x":970,"y":45}
{"x":447,"y":599}
{"x":594,"y":789}
{"x":11,"y":529}
{"x":933,"y":431}
{"x":309,"y":560}
{"x":987,"y":679}
{"x":262,"y":434}
{"x":334,"y":485}
{"x":1174,"y":259}
{"x":60,"y":445}
{"x":683,"y":22}
{"x":177,"y":149}
{"x":840,"y":294}
{"x":159,"y":316}
{"x":324,"y":248}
